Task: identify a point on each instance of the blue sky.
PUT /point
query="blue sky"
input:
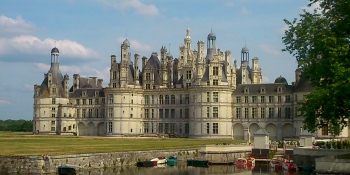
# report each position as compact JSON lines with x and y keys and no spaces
{"x":87,"y":32}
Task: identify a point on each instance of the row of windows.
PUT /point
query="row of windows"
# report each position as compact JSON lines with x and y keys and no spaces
{"x":164,"y":99}
{"x":271,"y":99}
{"x":254,"y":113}
{"x":89,"y":101}
{"x":166,"y":128}
{"x":70,"y":127}
{"x":91,"y":113}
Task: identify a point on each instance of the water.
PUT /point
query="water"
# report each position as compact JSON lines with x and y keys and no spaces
{"x":183,"y":169}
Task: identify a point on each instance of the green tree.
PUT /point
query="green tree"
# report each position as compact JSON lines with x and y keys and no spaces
{"x":320,"y":42}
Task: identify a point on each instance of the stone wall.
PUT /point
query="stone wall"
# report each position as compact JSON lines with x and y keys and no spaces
{"x":49,"y":164}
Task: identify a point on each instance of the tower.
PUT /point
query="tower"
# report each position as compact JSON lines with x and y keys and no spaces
{"x":245,"y":69}
{"x":136,"y":69}
{"x":124,"y":65}
{"x":211,"y":45}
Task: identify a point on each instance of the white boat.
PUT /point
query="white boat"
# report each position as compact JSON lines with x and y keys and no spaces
{"x":159,"y":160}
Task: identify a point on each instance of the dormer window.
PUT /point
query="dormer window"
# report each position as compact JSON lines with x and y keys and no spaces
{"x":246,"y":90}
{"x":96,"y":94}
{"x":262,"y":90}
{"x":84,"y":94}
{"x":279,"y":89}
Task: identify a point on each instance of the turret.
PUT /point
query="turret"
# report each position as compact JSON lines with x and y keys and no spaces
{"x":66,"y":84}
{"x":76,"y":82}
{"x":136,"y":69}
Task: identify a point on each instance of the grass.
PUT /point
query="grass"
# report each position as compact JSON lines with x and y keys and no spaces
{"x":26,"y":144}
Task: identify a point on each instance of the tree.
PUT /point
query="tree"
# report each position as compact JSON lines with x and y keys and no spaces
{"x":320,"y":42}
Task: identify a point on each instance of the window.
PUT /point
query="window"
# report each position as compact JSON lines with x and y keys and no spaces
{"x":208,"y":96}
{"x":288,"y":112}
{"x":215,"y":128}
{"x":172,"y":128}
{"x":172,"y":99}
{"x":254,"y":112}
{"x":166,"y":128}
{"x":78,"y":113}
{"x":215,"y":112}
{"x":246,"y":99}
{"x":110,"y":98}
{"x":53,"y":122}
{"x":279,"y":99}
{"x":246,"y":113}
{"x":84,"y":101}
{"x":238,"y":112}
{"x":167,"y":99}
{"x":187,"y":128}
{"x":208,"y":112}
{"x":187,"y":113}
{"x":161,"y":113}
{"x":188,"y":75}
{"x":287,"y":100}
{"x":215,"y":71}
{"x":254,"y":99}
{"x":271,"y":99}
{"x":238,"y":99}
{"x":96,"y":101}
{"x":187,"y":99}
{"x":90,"y":101}
{"x":172,"y":113}
{"x":208,"y":128}
{"x":262,"y":113}
{"x":77,"y":102}
{"x":180,"y":113}
{"x":103,"y":113}
{"x":279,"y":112}
{"x":53,"y":101}
{"x":53,"y":109}
{"x":216,"y":96}
{"x":271,"y":112}
{"x":111,"y":113}
{"x":148,"y":86}
{"x":96,"y":113}
{"x":148,"y":76}
{"x":145,"y":127}
{"x":53,"y":129}
{"x":152,"y":99}
{"x":160,"y":99}
{"x":215,"y":82}
{"x":160,"y":128}
{"x":324,"y":129}
{"x":114,"y":85}
{"x":180,"y":128}
{"x":262,"y":99}
{"x":146,"y":99}
{"x":146,"y":113}
{"x":114,"y":76}
{"x":166,"y":113}
{"x":180,"y":99}
{"x":84,"y":113}
{"x":110,"y":127}
{"x":90,"y":113}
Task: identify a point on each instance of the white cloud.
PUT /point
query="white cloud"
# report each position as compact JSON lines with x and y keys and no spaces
{"x":270,"y":49}
{"x":136,"y":45}
{"x":245,"y":11}
{"x":265,"y":79}
{"x":141,"y":9}
{"x":230,"y":4}
{"x":31,"y":45}
{"x":18,"y":26}
{"x":5,"y":102}
{"x":312,"y":7}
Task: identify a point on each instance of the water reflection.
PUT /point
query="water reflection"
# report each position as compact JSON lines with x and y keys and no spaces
{"x":182,"y":169}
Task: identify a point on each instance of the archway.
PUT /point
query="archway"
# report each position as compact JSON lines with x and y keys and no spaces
{"x":252,"y":129}
{"x":287,"y":131}
{"x":101,"y":129}
{"x":81,"y":129}
{"x":272,"y":129}
{"x":238,"y":131}
{"x":91,"y":129}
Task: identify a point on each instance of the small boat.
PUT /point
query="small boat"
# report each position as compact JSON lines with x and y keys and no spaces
{"x":172,"y":161}
{"x":198,"y":163}
{"x":288,"y":166}
{"x":250,"y":161}
{"x":145,"y":164}
{"x":159,"y":160}
{"x":276,"y":165}
{"x":66,"y":170}
{"x":241,"y":163}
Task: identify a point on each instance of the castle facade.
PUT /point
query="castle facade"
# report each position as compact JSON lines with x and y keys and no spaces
{"x":196,"y":95}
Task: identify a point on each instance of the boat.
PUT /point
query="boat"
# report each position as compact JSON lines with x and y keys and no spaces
{"x":276,"y":165}
{"x":306,"y":168}
{"x":241,"y":163}
{"x":198,"y":163}
{"x":288,"y":166}
{"x":250,"y":161}
{"x":159,"y":160}
{"x":66,"y":170}
{"x":171,"y":160}
{"x":146,"y":164}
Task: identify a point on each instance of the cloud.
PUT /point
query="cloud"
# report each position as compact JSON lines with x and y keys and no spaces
{"x":5,"y":102}
{"x":283,"y":29}
{"x":141,"y":9}
{"x":270,"y":49}
{"x":31,"y":45}
{"x":265,"y":79}
{"x":230,"y":4}
{"x":136,"y":45}
{"x":245,"y":11}
{"x":314,"y":6}
{"x":18,"y":26}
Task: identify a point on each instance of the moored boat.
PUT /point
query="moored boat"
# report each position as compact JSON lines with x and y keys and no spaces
{"x":146,"y":164}
{"x":250,"y":161}
{"x":276,"y":165}
{"x":200,"y":163}
{"x":159,"y":160}
{"x":241,"y":163}
{"x":172,"y":160}
{"x":288,"y":166}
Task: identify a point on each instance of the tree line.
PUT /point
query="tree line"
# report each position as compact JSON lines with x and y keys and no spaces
{"x":16,"y":125}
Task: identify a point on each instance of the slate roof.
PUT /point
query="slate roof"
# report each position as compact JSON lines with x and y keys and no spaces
{"x":261,"y":131}
{"x":303,"y":85}
{"x":89,"y":93}
{"x":57,"y":79}
{"x":306,"y":133}
{"x":270,"y":88}
{"x":153,"y":63}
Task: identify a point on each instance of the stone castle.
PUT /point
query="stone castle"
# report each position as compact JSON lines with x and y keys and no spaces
{"x":196,"y":95}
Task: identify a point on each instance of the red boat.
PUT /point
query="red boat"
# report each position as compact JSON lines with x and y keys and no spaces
{"x":276,"y":165}
{"x":290,"y":167}
{"x":250,"y":161}
{"x":241,"y":163}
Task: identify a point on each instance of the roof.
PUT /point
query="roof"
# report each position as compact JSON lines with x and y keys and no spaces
{"x":281,"y":79}
{"x":270,"y":88}
{"x":56,"y":78}
{"x":261,"y":131}
{"x":245,"y":49}
{"x":211,"y":36}
{"x":306,"y":133}
{"x":55,"y":50}
{"x":89,"y":93}
{"x":303,"y":85}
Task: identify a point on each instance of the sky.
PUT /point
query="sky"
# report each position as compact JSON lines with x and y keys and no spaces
{"x":88,"y":32}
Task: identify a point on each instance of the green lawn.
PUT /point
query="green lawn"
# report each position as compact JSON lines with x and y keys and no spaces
{"x":25,"y":144}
